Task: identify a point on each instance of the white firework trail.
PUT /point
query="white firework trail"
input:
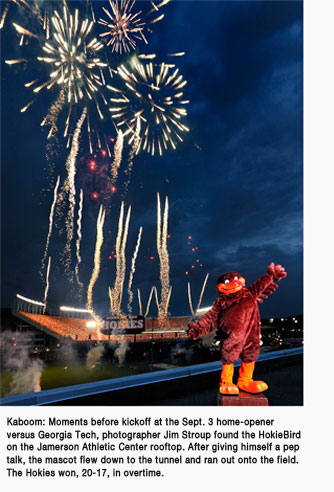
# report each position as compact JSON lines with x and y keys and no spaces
{"x":123,"y":257}
{"x":190,"y":300}
{"x":69,"y":187}
{"x":149,"y":301}
{"x":156,"y":298}
{"x":80,"y":284}
{"x":46,"y":291}
{"x":139,"y":303}
{"x":162,"y":233}
{"x":55,"y":194}
{"x":202,"y":292}
{"x":116,"y":293}
{"x":132,"y":271}
{"x":118,"y":149}
{"x":53,"y":113}
{"x":3,"y":17}
{"x":168,"y":298}
{"x":193,"y":312}
{"x":97,"y":264}
{"x":135,"y":141}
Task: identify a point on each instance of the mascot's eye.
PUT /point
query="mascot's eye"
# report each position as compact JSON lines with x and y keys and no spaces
{"x":236,"y":278}
{"x":226,"y":282}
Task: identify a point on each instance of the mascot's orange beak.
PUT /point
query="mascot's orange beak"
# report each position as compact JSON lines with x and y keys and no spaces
{"x":232,"y":286}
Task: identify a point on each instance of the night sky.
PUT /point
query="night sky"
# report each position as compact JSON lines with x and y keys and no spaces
{"x":234,"y":184}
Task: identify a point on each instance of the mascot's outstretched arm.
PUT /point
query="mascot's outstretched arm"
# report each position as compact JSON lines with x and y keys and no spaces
{"x":206,"y":324}
{"x":265,"y":284}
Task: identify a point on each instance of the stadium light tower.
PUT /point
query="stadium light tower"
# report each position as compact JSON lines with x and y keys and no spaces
{"x":74,"y":310}
{"x":26,"y":301}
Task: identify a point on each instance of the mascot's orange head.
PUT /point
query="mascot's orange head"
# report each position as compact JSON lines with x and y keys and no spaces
{"x":229,"y":283}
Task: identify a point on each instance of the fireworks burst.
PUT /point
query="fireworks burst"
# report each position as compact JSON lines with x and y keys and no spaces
{"x":125,"y":27}
{"x":31,"y":8}
{"x":132,"y":271}
{"x":116,"y":293}
{"x":97,"y":262}
{"x":72,"y":56}
{"x":69,"y":57}
{"x":3,"y":17}
{"x":154,"y":95}
{"x":55,"y":194}
{"x":162,"y":233}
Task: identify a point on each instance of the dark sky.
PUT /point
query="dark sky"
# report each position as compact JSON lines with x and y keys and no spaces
{"x":234,"y":184}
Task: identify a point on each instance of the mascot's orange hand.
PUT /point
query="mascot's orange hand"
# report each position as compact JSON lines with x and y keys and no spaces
{"x":193,"y":331}
{"x":277,"y":271}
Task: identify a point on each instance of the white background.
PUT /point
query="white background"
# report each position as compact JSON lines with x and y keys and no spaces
{"x":315,"y":418}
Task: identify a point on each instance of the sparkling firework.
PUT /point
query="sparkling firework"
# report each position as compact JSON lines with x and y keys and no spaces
{"x":200,"y":296}
{"x":97,"y":262}
{"x":55,"y":193}
{"x":169,"y":296}
{"x":3,"y":17}
{"x":154,"y":95}
{"x":148,"y":305}
{"x":53,"y":113}
{"x":164,"y":320}
{"x":132,"y":271}
{"x":80,"y":284}
{"x":72,"y":57}
{"x":69,"y":187}
{"x":162,"y":233}
{"x":139,"y":303}
{"x":30,"y":9}
{"x":118,"y":149}
{"x":46,"y":284}
{"x":202,"y":292}
{"x":135,"y":141}
{"x":125,"y":27}
{"x":69,"y":55}
{"x":50,"y":120}
{"x":190,"y":300}
{"x":116,"y":293}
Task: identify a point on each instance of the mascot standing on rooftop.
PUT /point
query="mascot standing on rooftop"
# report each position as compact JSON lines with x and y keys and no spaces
{"x":236,"y":315}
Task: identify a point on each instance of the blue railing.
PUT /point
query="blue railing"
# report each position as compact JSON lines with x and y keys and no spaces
{"x":56,"y":395}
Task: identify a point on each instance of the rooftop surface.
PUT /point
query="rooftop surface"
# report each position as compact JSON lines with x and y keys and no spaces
{"x":189,"y":386}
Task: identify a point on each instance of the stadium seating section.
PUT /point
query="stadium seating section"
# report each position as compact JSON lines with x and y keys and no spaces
{"x":77,"y":329}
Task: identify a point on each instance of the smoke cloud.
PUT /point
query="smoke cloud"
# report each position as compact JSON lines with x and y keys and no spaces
{"x":16,"y":349}
{"x":120,"y":352}
{"x":180,"y":351}
{"x":94,"y":356}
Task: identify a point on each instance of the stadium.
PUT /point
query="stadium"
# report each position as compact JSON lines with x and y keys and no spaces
{"x":47,"y":331}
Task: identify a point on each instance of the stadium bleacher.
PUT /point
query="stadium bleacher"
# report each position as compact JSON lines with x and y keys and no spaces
{"x":77,"y":329}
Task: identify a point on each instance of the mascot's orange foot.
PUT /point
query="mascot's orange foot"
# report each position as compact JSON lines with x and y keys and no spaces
{"x":228,"y":389}
{"x":252,"y":386}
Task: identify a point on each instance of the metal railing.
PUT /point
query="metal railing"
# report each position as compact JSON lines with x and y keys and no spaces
{"x":56,"y":395}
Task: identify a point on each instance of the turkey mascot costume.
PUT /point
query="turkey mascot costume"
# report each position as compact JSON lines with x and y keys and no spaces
{"x":235,"y":314}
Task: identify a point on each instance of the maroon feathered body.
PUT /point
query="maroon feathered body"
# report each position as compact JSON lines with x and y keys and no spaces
{"x":238,"y":316}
